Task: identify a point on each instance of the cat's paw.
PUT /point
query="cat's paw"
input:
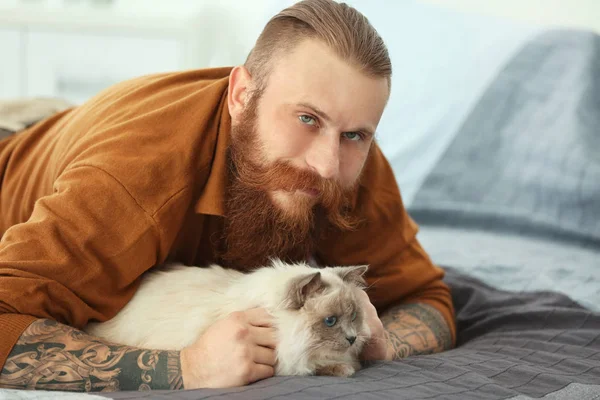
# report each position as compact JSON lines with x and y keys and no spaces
{"x":341,"y":370}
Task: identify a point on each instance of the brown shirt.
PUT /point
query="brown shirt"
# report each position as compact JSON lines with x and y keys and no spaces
{"x":96,"y":195}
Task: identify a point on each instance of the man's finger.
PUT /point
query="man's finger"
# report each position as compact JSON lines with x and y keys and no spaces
{"x":259,"y":317}
{"x":363,"y":295}
{"x":261,"y":371}
{"x":264,"y":336}
{"x":264,"y":355}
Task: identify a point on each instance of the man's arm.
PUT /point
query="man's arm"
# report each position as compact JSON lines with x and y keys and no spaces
{"x":53,"y":356}
{"x":413,"y":329}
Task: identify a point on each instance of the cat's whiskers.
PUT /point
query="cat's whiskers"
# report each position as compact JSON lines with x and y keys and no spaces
{"x":371,"y":285}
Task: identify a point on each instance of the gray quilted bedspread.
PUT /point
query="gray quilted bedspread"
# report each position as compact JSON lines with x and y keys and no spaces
{"x":510,"y":344}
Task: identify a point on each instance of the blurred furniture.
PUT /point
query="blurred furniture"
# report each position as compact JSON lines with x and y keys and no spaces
{"x":73,"y":49}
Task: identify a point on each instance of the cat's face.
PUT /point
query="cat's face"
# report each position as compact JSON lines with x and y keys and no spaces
{"x":333,"y":311}
{"x":337,"y":320}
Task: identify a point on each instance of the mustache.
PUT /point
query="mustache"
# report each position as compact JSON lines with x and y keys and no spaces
{"x":282,"y":175}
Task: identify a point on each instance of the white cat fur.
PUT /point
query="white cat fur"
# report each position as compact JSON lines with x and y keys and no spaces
{"x":198,"y":297}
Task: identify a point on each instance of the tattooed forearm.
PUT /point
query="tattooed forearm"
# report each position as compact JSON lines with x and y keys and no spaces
{"x":415,"y":329}
{"x":52,"y":356}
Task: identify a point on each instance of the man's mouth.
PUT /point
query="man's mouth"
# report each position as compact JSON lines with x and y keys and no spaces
{"x":310,"y":192}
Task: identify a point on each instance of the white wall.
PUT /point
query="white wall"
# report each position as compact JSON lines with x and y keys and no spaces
{"x":210,"y":33}
{"x":569,"y":13}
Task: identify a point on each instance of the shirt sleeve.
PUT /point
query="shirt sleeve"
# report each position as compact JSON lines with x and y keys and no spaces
{"x":77,"y":257}
{"x":400,"y":271}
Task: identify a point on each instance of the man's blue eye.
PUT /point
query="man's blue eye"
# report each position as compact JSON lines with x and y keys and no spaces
{"x":353,"y":315}
{"x":330,"y":321}
{"x":354,"y":136}
{"x":307,"y":119}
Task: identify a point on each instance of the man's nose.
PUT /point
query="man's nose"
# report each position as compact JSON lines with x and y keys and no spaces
{"x":324,"y":156}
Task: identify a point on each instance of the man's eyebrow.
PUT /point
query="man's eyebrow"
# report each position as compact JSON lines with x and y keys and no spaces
{"x":323,"y":115}
{"x":316,"y":110}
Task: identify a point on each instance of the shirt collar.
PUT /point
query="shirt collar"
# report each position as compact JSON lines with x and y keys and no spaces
{"x":212,"y":197}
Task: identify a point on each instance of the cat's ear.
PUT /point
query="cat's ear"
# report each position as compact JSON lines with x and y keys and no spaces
{"x":303,"y":287}
{"x":353,"y":274}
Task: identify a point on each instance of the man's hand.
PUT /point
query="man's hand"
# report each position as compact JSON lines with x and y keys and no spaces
{"x":377,"y":348}
{"x":404,"y":330}
{"x":235,"y":351}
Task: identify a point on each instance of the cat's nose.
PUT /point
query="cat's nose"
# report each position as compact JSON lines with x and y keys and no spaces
{"x":351,"y":339}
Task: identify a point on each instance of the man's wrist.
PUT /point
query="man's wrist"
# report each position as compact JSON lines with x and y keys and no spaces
{"x":186,"y":375}
{"x":415,"y":329}
{"x":389,"y":347}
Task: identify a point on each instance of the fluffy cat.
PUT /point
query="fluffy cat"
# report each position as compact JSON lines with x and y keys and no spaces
{"x":320,"y":324}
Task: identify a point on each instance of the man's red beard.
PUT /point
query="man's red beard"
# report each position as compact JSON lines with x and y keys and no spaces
{"x":257,"y":229}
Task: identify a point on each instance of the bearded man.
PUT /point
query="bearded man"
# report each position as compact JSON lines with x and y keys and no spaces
{"x":273,"y":158}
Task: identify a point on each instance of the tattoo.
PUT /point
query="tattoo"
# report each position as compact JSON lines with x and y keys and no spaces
{"x":52,"y":356}
{"x":414,"y":329}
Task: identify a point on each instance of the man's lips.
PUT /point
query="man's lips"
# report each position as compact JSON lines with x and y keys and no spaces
{"x":311,"y":192}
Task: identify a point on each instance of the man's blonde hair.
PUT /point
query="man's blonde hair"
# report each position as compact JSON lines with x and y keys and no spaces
{"x":342,"y":28}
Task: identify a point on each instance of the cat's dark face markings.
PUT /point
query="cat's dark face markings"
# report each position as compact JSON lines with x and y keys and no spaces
{"x":333,"y":310}
{"x":336,"y":320}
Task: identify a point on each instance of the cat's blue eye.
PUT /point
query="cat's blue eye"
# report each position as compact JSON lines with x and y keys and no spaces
{"x":330,"y":321}
{"x":307,"y":119}
{"x":353,"y":315}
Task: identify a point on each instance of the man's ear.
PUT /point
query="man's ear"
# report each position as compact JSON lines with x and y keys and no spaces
{"x":238,"y":90}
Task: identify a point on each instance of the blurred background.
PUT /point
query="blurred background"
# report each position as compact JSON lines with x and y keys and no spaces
{"x":74,"y":48}
{"x":572,"y":13}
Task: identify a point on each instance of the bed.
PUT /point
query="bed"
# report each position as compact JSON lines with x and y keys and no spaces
{"x":508,"y":202}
